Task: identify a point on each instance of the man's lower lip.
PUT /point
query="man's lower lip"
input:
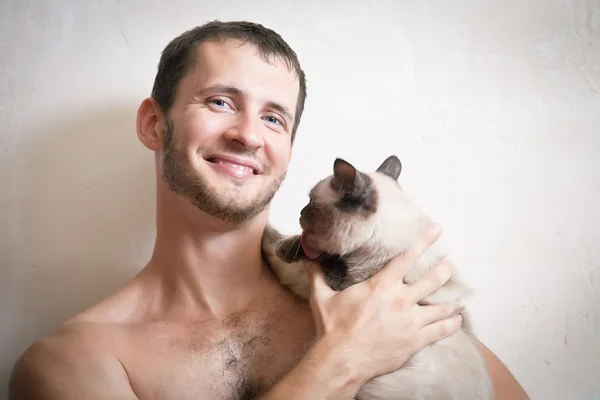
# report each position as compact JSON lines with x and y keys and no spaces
{"x":232,"y":169}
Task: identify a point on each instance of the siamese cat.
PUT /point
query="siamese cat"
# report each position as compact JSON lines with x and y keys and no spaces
{"x":355,"y":222}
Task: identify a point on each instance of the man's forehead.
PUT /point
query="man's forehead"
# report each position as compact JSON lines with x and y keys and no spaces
{"x":233,"y":52}
{"x":234,"y":63}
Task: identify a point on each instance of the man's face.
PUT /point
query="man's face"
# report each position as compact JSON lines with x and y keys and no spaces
{"x":227,"y":138}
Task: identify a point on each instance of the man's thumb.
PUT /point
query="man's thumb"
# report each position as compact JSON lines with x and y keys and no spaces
{"x":318,"y":285}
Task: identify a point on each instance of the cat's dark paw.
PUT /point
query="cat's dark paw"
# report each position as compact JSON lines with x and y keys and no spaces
{"x":290,"y":249}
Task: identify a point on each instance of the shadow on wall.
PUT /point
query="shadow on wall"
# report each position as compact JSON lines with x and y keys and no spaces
{"x":86,"y":220}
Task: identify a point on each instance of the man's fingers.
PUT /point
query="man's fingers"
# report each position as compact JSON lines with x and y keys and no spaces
{"x":396,"y":269}
{"x":318,"y":285}
{"x":432,"y":281}
{"x":426,"y":239}
{"x":438,"y":330}
{"x":432,"y":313}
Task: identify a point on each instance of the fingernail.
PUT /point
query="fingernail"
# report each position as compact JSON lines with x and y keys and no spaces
{"x":449,"y":270}
{"x":445,"y":273}
{"x":436,"y":229}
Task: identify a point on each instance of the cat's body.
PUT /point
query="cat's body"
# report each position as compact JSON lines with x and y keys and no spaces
{"x":354,"y":224}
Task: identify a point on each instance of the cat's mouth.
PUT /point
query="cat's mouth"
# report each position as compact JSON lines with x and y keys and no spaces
{"x":309,"y":251}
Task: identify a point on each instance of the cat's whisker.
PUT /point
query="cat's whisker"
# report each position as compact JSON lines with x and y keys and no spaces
{"x":293,"y":245}
{"x":297,"y":247}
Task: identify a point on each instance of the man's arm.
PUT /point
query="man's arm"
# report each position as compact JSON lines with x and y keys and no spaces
{"x":506,"y":387}
{"x":59,"y":368}
{"x":329,"y":376}
{"x":323,"y":374}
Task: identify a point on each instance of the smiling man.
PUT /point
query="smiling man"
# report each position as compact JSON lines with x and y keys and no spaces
{"x":206,"y":318}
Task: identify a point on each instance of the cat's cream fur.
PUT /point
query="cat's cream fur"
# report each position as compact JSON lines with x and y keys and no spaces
{"x":366,"y":237}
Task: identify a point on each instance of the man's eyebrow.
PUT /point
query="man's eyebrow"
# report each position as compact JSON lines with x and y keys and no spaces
{"x":220,"y":88}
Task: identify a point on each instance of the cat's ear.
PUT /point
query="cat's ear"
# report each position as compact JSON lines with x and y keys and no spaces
{"x":290,"y":249}
{"x":391,"y":167}
{"x":347,"y":179}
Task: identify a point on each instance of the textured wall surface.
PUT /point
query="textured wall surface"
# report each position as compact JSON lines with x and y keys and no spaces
{"x":493,"y":107}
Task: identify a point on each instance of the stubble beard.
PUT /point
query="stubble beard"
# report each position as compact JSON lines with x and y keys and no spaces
{"x":228,"y":207}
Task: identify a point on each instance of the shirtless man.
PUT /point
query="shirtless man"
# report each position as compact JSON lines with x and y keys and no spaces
{"x":205,"y":318}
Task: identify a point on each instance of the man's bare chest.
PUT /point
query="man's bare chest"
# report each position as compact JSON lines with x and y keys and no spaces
{"x":236,"y":359}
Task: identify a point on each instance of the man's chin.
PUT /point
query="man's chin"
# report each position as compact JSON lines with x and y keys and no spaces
{"x":229,"y":205}
{"x":233,"y":213}
{"x":225,"y":197}
{"x":223,"y":183}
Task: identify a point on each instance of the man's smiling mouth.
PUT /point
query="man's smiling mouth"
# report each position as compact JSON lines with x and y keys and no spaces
{"x":237,"y":163}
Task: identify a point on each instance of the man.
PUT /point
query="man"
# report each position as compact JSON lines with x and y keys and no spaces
{"x":206,"y":319}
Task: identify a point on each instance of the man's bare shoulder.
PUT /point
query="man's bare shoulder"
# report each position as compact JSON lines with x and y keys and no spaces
{"x":77,"y":360}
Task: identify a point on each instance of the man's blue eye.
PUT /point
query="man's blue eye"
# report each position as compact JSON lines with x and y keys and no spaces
{"x":273,"y":120}
{"x":220,"y":103}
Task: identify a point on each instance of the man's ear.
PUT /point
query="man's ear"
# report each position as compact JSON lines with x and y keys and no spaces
{"x":149,"y":121}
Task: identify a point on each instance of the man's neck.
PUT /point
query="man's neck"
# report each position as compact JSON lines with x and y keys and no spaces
{"x":204,"y":265}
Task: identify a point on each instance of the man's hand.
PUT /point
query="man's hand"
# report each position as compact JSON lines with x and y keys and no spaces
{"x":369,"y":329}
{"x":378,"y":323}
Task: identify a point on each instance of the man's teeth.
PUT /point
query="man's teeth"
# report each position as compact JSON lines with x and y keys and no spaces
{"x":237,"y":166}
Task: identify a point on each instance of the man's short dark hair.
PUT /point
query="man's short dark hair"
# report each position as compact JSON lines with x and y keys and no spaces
{"x":179,"y":57}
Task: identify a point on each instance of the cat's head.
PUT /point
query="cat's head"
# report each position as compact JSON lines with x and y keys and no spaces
{"x":344,"y":211}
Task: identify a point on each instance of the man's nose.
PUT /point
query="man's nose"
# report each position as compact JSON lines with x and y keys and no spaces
{"x":246,"y":131}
